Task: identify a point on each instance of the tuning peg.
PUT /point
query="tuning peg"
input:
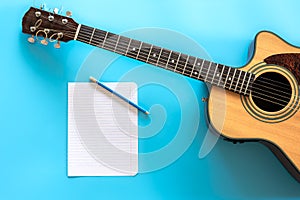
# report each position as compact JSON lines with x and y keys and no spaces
{"x":44,"y":42}
{"x":55,"y":10}
{"x":31,"y":39}
{"x":57,"y":45}
{"x":42,"y":6}
{"x":69,"y":13}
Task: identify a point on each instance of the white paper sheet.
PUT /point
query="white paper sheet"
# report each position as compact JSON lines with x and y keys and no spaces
{"x":102,"y":130}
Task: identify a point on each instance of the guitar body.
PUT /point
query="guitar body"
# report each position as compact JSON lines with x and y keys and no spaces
{"x":243,"y":118}
{"x":259,"y":102}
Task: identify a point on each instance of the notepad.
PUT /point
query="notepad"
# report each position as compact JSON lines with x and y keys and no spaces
{"x":102,"y":130}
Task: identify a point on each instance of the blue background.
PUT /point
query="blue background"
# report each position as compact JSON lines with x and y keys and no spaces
{"x":33,"y":119}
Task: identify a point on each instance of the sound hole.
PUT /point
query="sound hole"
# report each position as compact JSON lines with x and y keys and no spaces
{"x":271,"y":91}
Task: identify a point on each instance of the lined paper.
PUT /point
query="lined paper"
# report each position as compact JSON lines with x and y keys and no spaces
{"x":102,"y":130}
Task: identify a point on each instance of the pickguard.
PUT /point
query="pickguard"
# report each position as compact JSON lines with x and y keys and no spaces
{"x":291,"y":61}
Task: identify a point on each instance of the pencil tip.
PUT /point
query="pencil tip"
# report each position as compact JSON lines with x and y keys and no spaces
{"x":93,"y":79}
{"x":148,"y":113}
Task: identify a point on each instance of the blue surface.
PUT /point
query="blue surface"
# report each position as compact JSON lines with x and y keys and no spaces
{"x":34,"y":103}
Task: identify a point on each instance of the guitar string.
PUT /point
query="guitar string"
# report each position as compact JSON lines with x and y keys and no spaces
{"x":108,"y":45}
{"x":180,"y":63}
{"x":146,"y":56}
{"x":71,"y":26}
{"x":268,"y":100}
{"x":258,"y":93}
{"x":74,"y":27}
{"x":95,"y":36}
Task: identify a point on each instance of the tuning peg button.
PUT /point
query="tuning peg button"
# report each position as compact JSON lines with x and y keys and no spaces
{"x":57,"y":45}
{"x":69,"y":14}
{"x":31,"y":39}
{"x":44,"y":42}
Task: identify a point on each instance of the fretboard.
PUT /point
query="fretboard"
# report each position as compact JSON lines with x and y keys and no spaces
{"x":219,"y":75}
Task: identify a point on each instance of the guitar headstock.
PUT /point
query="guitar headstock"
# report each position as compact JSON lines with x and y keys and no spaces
{"x":45,"y":26}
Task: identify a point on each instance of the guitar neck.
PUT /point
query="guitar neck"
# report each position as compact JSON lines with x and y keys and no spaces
{"x":219,"y":75}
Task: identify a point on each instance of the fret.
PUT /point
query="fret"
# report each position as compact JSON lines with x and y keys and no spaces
{"x":117,"y":43}
{"x":245,"y":75}
{"x":238,"y":80}
{"x":164,"y":58}
{"x":197,"y":69}
{"x":172,"y":60}
{"x":139,"y":50}
{"x":122,"y":45}
{"x":104,"y":39}
{"x":204,"y":69}
{"x":168,"y":59}
{"x":207,"y":73}
{"x":177,"y":62}
{"x":193,"y":68}
{"x":128,"y":47}
{"x":189,"y":67}
{"x":157,"y":62}
{"x":221,"y":75}
{"x":194,"y":72}
{"x":251,"y":82}
{"x":247,"y":84}
{"x":183,"y":59}
{"x":224,"y":76}
{"x":144,"y":52}
{"x":186,"y":62}
{"x":110,"y":42}
{"x":99,"y":37}
{"x":149,"y":53}
{"x":92,"y":36}
{"x":232,"y":79}
{"x":200,"y":66}
{"x":216,"y":68}
{"x":133,"y":49}
{"x":211,"y":73}
{"x":227,"y":76}
{"x":154,"y":55}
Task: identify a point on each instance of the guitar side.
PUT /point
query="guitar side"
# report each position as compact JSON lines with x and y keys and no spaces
{"x":229,"y":117}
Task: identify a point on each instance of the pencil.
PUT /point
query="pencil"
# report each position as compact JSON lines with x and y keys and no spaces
{"x":120,"y":96}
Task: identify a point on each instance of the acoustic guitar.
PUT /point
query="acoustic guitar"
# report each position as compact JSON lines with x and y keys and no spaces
{"x":256,"y":102}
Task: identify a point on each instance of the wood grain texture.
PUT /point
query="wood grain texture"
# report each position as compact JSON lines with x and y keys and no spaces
{"x":228,"y":116}
{"x":291,"y":61}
